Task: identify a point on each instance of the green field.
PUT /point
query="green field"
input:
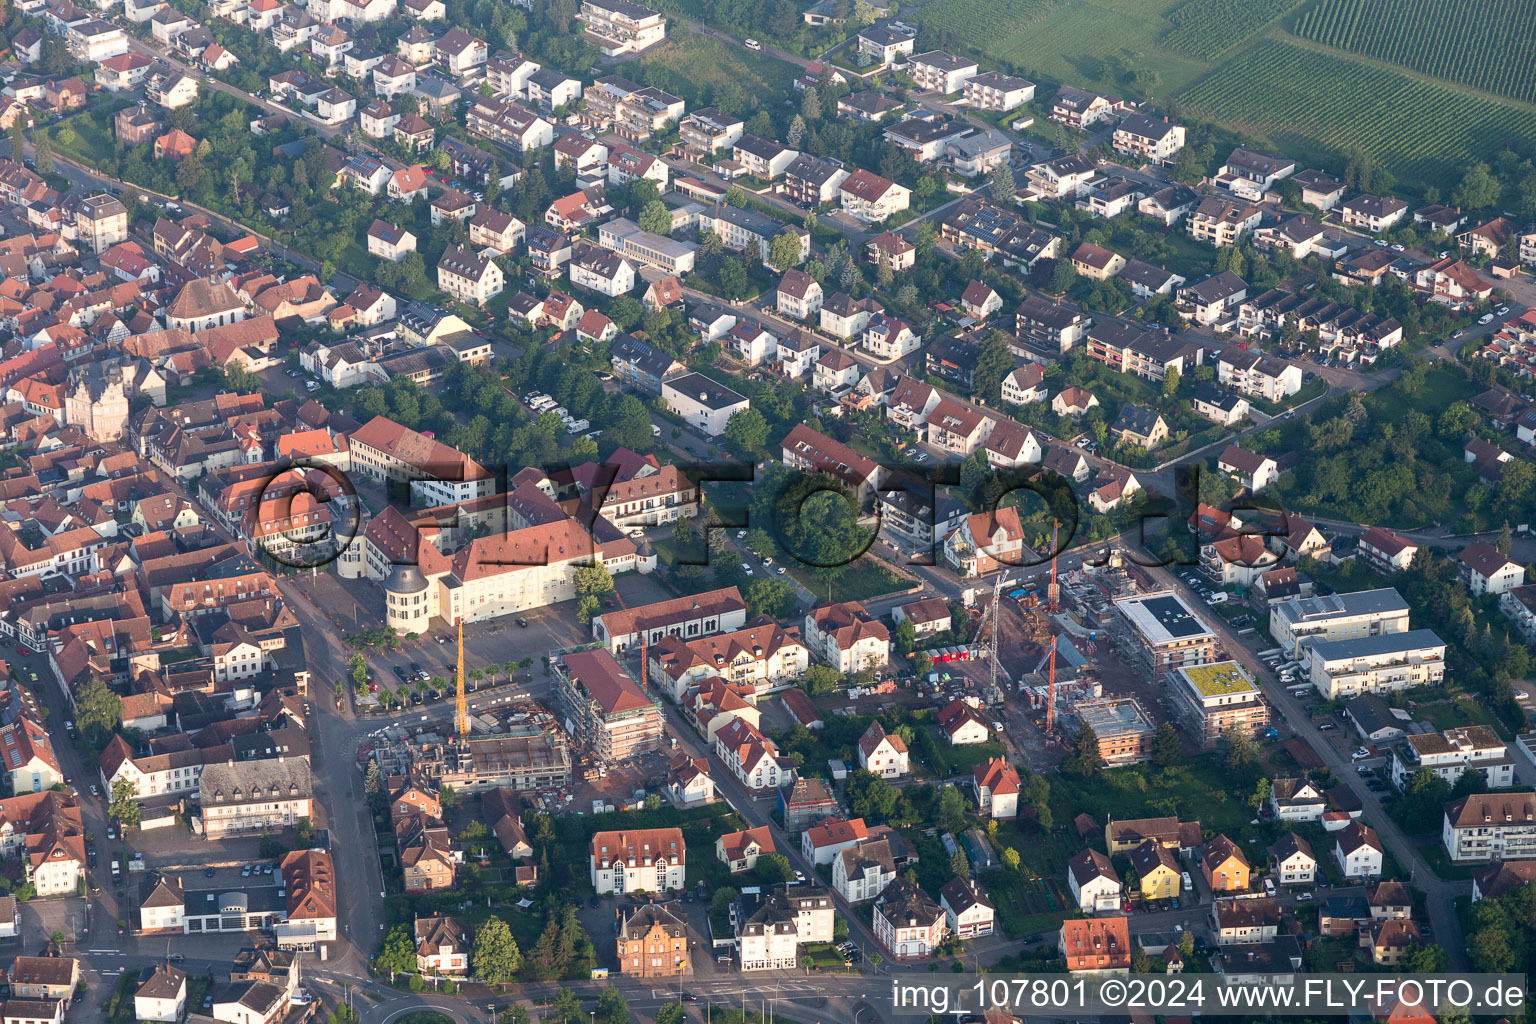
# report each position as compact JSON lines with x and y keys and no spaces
{"x":703,"y":70}
{"x":1308,"y":102}
{"x":1487,"y":44}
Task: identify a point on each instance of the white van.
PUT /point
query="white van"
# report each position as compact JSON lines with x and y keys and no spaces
{"x":1189,"y":883}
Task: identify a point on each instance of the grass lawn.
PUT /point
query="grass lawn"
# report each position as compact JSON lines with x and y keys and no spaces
{"x":1310,"y":390}
{"x":1441,"y":388}
{"x":690,"y":65}
{"x":89,"y":137}
{"x":1201,"y":789}
{"x":1448,"y":714}
{"x":866,"y":578}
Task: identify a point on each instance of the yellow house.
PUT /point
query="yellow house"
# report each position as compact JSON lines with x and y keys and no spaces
{"x":1158,"y":870}
{"x":1224,"y":866}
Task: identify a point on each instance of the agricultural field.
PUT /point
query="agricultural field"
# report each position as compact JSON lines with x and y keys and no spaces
{"x":1205,"y":29}
{"x":1486,"y":45}
{"x":1311,"y":103}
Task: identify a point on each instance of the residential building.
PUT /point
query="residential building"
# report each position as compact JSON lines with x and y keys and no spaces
{"x":870,"y":198}
{"x":1358,"y":851}
{"x":997,"y":788}
{"x":1372,"y":213}
{"x":1210,"y":699}
{"x":809,"y":451}
{"x":1096,"y":946}
{"x":612,"y":716}
{"x":739,"y":851}
{"x":640,"y":860}
{"x":884,"y":754}
{"x":1093,"y":882}
{"x":652,"y":942}
{"x":1150,"y":140}
{"x":1253,"y":471}
{"x":985,"y":542}
{"x":937,"y":71}
{"x":620,"y":27}
{"x":1488,"y":570}
{"x":1292,"y":860}
{"x":968,"y":911}
{"x":1166,"y":633}
{"x":993,"y":90}
{"x":907,"y":922}
{"x":254,"y":796}
{"x":1337,"y":617}
{"x":1452,"y":753}
{"x":1221,"y":222}
{"x":1224,"y":865}
{"x":1157,"y":870}
{"x":704,"y":404}
{"x":1078,"y":108}
{"x":1490,"y":827}
{"x":1375,"y":664}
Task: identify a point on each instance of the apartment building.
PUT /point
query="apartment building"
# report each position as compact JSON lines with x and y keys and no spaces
{"x":620,"y":27}
{"x":652,"y":942}
{"x":1452,"y":753}
{"x":613,"y":717}
{"x":254,"y":796}
{"x":807,"y":450}
{"x":1490,"y":827}
{"x":469,"y":276}
{"x":1375,"y":664}
{"x":1219,"y":222}
{"x":937,"y":71}
{"x":1372,"y":213}
{"x":1248,"y":372}
{"x":1337,"y":617}
{"x":437,"y":474}
{"x":714,"y":611}
{"x":642,"y":860}
{"x":1149,"y":139}
{"x":1166,"y":632}
{"x":847,"y":637}
{"x":993,"y":90}
{"x":1211,"y":699}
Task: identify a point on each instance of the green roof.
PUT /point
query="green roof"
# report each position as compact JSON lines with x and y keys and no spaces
{"x":1225,"y":677}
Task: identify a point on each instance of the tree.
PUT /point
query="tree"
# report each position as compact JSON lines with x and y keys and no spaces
{"x":611,"y":1007}
{"x":1011,"y":859}
{"x":1001,"y":184}
{"x":795,"y":133}
{"x":773,"y":868}
{"x":496,"y":958}
{"x":304,"y":829}
{"x":1170,"y":384}
{"x":747,"y":430}
{"x":951,"y":809}
{"x":398,"y":953}
{"x":1240,"y":750}
{"x":733,"y":278}
{"x":1167,"y":749}
{"x":98,"y":711}
{"x":671,"y":1013}
{"x":820,"y":680}
{"x":993,"y":363}
{"x":655,"y":218}
{"x":905,"y":637}
{"x":1479,"y":189}
{"x":884,"y":276}
{"x":1140,"y":962}
{"x":124,"y":806}
{"x":446,"y":797}
{"x":810,"y":105}
{"x":593,"y":583}
{"x":44,"y":153}
{"x":1063,"y":277}
{"x":959,"y":863}
{"x":784,"y":250}
{"x":1084,"y":758}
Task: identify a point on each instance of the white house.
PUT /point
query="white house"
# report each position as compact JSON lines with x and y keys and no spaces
{"x":1488,"y":570}
{"x":640,"y":860}
{"x":882,"y":753}
{"x":1293,"y":861}
{"x":967,"y":908}
{"x":704,"y":404}
{"x":1093,"y":881}
{"x":1358,"y":851}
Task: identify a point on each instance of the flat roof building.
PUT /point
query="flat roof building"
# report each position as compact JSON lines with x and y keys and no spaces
{"x":1167,"y":631}
{"x":1376,"y":664}
{"x":1210,"y":699}
{"x":1337,"y":617}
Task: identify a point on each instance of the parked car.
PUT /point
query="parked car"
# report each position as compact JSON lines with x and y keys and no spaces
{"x":753,"y":44}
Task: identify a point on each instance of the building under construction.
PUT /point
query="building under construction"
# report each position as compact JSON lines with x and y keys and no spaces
{"x":523,"y":750}
{"x":1122,"y":726}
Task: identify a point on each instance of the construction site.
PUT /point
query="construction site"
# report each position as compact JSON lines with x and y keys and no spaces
{"x":1050,"y":647}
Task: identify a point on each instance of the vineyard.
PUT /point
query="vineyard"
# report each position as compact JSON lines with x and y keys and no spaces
{"x":1205,"y":29}
{"x":1306,"y":102}
{"x":979,"y":23}
{"x":1487,"y":44}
